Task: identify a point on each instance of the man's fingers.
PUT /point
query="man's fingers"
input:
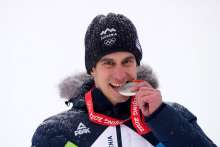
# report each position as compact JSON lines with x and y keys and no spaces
{"x":140,"y":85}
{"x":145,"y":98}
{"x":148,"y":100}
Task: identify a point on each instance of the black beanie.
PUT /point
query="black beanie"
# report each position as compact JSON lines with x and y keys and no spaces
{"x":108,"y":34}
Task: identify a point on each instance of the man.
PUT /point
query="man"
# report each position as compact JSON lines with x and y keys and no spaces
{"x":103,"y":117}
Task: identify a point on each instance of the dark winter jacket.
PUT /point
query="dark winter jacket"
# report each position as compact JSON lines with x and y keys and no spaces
{"x":171,"y":125}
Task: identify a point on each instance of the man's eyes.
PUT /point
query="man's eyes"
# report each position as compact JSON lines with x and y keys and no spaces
{"x":127,"y":62}
{"x":108,"y":63}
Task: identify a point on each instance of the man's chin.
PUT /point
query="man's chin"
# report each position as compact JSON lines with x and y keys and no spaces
{"x":117,"y":96}
{"x":122,"y":98}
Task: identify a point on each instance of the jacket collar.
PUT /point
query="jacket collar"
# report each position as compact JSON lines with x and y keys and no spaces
{"x":103,"y":105}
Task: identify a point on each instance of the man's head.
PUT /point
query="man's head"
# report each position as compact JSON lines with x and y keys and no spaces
{"x":112,"y":54}
{"x":113,"y":71}
{"x":108,"y":34}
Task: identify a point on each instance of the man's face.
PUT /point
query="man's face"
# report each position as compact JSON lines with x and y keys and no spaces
{"x":112,"y":71}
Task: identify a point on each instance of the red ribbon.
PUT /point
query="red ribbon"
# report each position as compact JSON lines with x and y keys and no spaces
{"x":105,"y":120}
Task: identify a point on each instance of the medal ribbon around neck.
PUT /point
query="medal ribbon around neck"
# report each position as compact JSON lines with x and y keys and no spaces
{"x":105,"y":120}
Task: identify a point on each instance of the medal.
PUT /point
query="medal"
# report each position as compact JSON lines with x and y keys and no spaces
{"x":125,"y":89}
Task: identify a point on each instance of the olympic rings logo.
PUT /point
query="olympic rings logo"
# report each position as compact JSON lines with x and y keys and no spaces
{"x":110,"y":41}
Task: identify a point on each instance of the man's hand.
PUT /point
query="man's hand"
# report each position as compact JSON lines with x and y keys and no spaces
{"x":148,"y":98}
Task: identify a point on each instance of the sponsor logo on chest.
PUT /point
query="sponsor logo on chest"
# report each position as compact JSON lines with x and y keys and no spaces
{"x":81,"y":129}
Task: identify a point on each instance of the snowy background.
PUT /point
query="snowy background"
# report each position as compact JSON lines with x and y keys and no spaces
{"x":42,"y":42}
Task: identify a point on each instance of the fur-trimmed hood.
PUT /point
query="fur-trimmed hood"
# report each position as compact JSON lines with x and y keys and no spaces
{"x":77,"y":85}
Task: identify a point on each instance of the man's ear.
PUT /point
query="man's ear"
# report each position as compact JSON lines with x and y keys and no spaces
{"x":93,"y":73}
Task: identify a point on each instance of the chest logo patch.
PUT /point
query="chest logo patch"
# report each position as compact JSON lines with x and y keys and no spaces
{"x":81,"y":129}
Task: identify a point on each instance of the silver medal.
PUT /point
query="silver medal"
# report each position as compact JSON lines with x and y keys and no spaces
{"x":125,"y":89}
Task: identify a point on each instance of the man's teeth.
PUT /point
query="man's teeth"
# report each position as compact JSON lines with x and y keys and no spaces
{"x":116,"y":85}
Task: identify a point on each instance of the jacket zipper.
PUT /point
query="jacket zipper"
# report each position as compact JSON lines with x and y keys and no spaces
{"x":118,"y":133}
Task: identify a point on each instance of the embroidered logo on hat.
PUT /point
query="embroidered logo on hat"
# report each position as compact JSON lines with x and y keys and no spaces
{"x":112,"y":30}
{"x":108,"y":35}
{"x":110,"y":41}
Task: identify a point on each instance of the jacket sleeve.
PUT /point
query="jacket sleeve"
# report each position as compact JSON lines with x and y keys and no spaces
{"x":175,"y":126}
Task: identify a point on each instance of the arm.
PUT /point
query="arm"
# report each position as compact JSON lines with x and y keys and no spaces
{"x":175,"y":126}
{"x":56,"y":131}
{"x":48,"y":134}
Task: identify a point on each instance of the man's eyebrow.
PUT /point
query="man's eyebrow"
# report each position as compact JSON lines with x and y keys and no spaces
{"x":129,"y":57}
{"x":106,"y":59}
{"x":110,"y":59}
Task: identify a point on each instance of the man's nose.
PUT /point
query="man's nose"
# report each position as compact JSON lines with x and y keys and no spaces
{"x":120,"y":73}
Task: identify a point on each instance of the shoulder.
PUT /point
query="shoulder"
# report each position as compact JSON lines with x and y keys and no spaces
{"x":56,"y":130}
{"x":63,"y":117}
{"x":182,"y":110}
